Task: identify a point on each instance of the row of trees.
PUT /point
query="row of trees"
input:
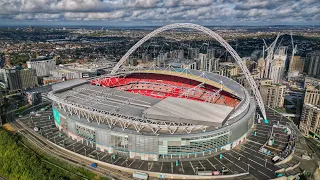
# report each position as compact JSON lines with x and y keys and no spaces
{"x":17,"y":162}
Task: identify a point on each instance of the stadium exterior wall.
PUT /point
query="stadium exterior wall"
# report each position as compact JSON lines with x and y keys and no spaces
{"x":155,"y":147}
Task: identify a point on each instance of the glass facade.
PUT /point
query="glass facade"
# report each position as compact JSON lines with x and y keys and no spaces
{"x":196,"y":144}
{"x":141,"y":146}
{"x":119,"y":142}
{"x":86,"y":133}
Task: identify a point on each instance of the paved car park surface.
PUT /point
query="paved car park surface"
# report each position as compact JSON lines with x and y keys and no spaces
{"x":242,"y":159}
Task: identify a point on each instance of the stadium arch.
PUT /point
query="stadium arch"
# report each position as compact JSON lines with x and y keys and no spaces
{"x":212,"y":34}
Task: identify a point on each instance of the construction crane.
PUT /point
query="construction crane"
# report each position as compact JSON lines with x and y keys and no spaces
{"x":294,"y":47}
{"x":294,"y":51}
{"x":270,"y":53}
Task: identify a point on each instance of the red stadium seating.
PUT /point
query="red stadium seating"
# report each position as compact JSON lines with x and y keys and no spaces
{"x":162,"y":86}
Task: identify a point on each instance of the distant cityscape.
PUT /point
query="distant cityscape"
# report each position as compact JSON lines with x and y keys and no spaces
{"x":284,"y":62}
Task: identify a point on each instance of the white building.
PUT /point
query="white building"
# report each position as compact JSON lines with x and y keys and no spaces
{"x":277,"y":70}
{"x":43,"y":65}
{"x":277,"y":66}
{"x":208,"y":63}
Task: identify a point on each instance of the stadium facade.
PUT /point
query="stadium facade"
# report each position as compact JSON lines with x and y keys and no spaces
{"x":155,"y":114}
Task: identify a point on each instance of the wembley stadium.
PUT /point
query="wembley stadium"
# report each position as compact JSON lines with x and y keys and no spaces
{"x":152,"y":114}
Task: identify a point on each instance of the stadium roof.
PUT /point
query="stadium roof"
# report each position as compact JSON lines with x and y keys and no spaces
{"x":68,"y":84}
{"x":189,"y":111}
{"x":135,"y":105}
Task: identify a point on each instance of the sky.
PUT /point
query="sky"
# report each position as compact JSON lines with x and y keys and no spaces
{"x":159,"y":12}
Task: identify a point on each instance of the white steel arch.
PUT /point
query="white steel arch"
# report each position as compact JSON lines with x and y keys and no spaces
{"x":214,"y":35}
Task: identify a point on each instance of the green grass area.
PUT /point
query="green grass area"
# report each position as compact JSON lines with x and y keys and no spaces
{"x":20,"y":162}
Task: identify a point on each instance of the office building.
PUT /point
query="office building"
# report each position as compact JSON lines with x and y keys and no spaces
{"x":43,"y":65}
{"x":272,"y":94}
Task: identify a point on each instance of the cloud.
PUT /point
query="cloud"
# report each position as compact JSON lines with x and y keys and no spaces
{"x":164,"y":11}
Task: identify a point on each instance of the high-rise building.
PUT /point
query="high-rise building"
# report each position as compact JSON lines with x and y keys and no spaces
{"x":43,"y":65}
{"x":28,"y":78}
{"x":281,"y":53}
{"x":193,"y":53}
{"x":204,"y":62}
{"x":211,"y":53}
{"x":310,"y":120}
{"x":193,"y":65}
{"x":208,"y":64}
{"x":296,"y":64}
{"x":13,"y":79}
{"x":161,"y":59}
{"x":146,"y":57}
{"x":277,"y":69}
{"x":3,"y":78}
{"x":314,"y":64}
{"x":310,"y":115}
{"x":176,"y":54}
{"x":16,"y":79}
{"x":261,"y":65}
{"x":272,"y":94}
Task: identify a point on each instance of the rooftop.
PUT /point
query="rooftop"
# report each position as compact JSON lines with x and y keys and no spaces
{"x":189,"y":111}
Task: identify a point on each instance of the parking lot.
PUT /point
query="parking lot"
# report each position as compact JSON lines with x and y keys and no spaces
{"x":244,"y":158}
